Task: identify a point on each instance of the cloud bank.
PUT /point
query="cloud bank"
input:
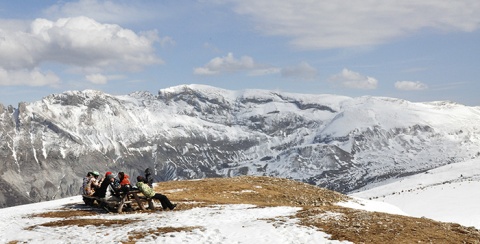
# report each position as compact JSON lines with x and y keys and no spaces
{"x":354,"y":80}
{"x":33,"y":77}
{"x":80,"y":43}
{"x":230,"y":64}
{"x":338,"y":24}
{"x":410,"y":86}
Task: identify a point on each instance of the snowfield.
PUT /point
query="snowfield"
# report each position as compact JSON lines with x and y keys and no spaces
{"x":218,"y":224}
{"x":439,"y":194}
{"x":236,"y":223}
{"x":449,"y":194}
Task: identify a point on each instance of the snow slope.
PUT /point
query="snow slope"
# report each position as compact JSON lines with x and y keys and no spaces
{"x":217,"y":224}
{"x":448,"y":194}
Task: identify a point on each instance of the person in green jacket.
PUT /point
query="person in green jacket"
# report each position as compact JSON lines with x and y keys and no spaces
{"x":150,"y":193}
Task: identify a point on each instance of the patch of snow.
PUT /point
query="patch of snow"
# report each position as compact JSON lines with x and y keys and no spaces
{"x":241,"y":223}
{"x":373,"y":206}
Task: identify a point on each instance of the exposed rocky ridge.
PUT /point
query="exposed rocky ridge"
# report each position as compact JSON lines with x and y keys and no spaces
{"x":194,"y":131}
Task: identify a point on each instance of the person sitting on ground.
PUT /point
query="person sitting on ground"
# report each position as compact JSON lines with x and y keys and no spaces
{"x":150,"y":193}
{"x":149,"y":177}
{"x":124,"y":182}
{"x":90,"y":183}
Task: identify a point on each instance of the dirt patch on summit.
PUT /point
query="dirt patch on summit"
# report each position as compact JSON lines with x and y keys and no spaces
{"x":360,"y":226}
{"x":262,"y":191}
{"x":85,"y":222}
{"x":319,"y":210}
{"x":64,"y":214}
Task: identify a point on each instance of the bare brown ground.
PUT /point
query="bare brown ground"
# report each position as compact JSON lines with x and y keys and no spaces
{"x":262,"y":191}
{"x":64,"y":214}
{"x":85,"y":222}
{"x":319,"y":210}
{"x":134,"y":236}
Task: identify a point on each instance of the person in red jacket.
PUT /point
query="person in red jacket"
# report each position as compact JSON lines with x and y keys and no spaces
{"x":124,"y":179}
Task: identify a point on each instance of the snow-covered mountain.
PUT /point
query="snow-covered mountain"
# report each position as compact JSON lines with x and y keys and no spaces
{"x":196,"y":131}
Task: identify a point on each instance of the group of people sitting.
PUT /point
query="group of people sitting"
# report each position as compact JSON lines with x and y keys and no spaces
{"x":111,"y":188}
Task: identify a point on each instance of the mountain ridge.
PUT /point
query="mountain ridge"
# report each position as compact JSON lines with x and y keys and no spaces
{"x":198,"y":131}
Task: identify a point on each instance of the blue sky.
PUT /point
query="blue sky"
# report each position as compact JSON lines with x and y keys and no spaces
{"x":415,"y":50}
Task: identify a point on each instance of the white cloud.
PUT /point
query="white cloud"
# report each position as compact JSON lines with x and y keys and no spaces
{"x":230,"y":64}
{"x":80,"y":43}
{"x":410,"y":86}
{"x":101,"y":79}
{"x":166,"y":41}
{"x":302,"y":70}
{"x":97,"y":78}
{"x":13,"y":24}
{"x":334,"y":24}
{"x":102,"y":10}
{"x":33,"y":77}
{"x":354,"y":80}
{"x":84,"y":42}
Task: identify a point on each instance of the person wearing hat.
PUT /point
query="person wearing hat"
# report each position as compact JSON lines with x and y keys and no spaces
{"x":90,"y":183}
{"x":150,"y":193}
{"x":148,"y":177}
{"x":102,"y":190}
{"x":104,"y":177}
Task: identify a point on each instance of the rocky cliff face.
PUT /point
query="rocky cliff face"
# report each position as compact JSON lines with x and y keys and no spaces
{"x":189,"y":132}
